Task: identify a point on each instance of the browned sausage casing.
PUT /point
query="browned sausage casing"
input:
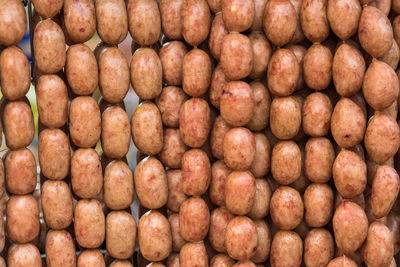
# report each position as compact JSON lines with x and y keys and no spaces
{"x":237,"y":103}
{"x":347,"y":131}
{"x":54,"y":154}
{"x":220,"y":128}
{"x":349,"y":174}
{"x":196,"y":72}
{"x":378,"y":247}
{"x":261,"y":163}
{"x":317,"y":67}
{"x":81,"y":69}
{"x":146,"y":128}
{"x":89,"y":223}
{"x":91,"y":258}
{"x":121,"y":234}
{"x":151,"y":180}
{"x":177,"y":239}
{"x":286,"y":208}
{"x":220,"y":218}
{"x":216,"y":191}
{"x":52,"y":101}
{"x":56,"y":199}
{"x":318,"y":205}
{"x":171,"y":20}
{"x":240,"y":192}
{"x":112,"y":20}
{"x":221,"y":260}
{"x":285,"y":117}
{"x":196,"y":172}
{"x":86,"y":173}
{"x":286,"y":249}
{"x":144,"y":21}
{"x":193,"y":254}
{"x":13,"y":22}
{"x":217,"y":33}
{"x":18,"y":124}
{"x":347,"y":76}
{"x":49,"y":44}
{"x":195,"y":122}
{"x":23,"y":255}
{"x":171,"y":56}
{"x":115,"y":132}
{"x":236,"y":57}
{"x":343,"y":17}
{"x":118,"y":186}
{"x":84,"y":121}
{"x":154,"y":234}
{"x":318,"y":247}
{"x":286,"y":162}
{"x":20,"y":171}
{"x":374,"y":23}
{"x":241,"y":238}
{"x":280,"y":21}
{"x":113,"y":75}
{"x":146,"y":73}
{"x":80,"y":19}
{"x":382,"y":137}
{"x":22,"y":218}
{"x":48,"y":8}
{"x":169,"y":102}
{"x":239,"y":148}
{"x":194,"y":219}
{"x":314,"y":21}
{"x":196,"y":21}
{"x":350,"y":225}
{"x":60,"y":249}
{"x":238,"y":14}
{"x":173,"y":149}
{"x":14,"y":72}
{"x":283,"y":72}
{"x":218,"y":82}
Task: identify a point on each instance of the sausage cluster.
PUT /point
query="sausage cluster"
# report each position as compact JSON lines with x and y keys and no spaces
{"x":266,"y":132}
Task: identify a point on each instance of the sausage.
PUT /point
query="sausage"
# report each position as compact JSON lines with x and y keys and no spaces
{"x":280,"y":22}
{"x":240,"y":192}
{"x":22,"y":215}
{"x":148,"y":138}
{"x":172,"y":55}
{"x":81,"y":69}
{"x":286,"y":249}
{"x":193,"y":254}
{"x":261,"y":162}
{"x":262,"y":51}
{"x":350,"y":225}
{"x":49,"y":44}
{"x":23,"y":255}
{"x":118,"y":186}
{"x":47,"y":8}
{"x":195,"y":122}
{"x":54,"y":154}
{"x":121,"y":234}
{"x":86,"y":173}
{"x":151,"y":180}
{"x":216,"y":190}
{"x":318,"y":247}
{"x":112,"y":20}
{"x":237,"y":103}
{"x":169,"y":102}
{"x":60,"y":249}
{"x":218,"y":82}
{"x":343,"y":17}
{"x":52,"y":101}
{"x":12,"y":22}
{"x":317,"y":67}
{"x":18,"y":124}
{"x":91,"y":257}
{"x":194,"y":219}
{"x":115,"y":132}
{"x":217,"y":33}
{"x":239,"y":148}
{"x":196,"y":172}
{"x":241,"y":238}
{"x":220,"y":217}
{"x":146,"y":73}
{"x":264,"y":241}
{"x":113,"y":75}
{"x":80,"y":19}
{"x":154,"y":234}
{"x":177,"y":239}
{"x":144,"y":21}
{"x":285,"y":117}
{"x":196,"y":21}
{"x":286,"y":208}
{"x":314,"y":21}
{"x":20,"y":171}
{"x":196,"y":72}
{"x":318,"y":205}
{"x":262,"y":198}
{"x":238,"y":15}
{"x":57,"y":204}
{"x":15,"y":72}
{"x":89,"y":223}
{"x":171,"y":20}
{"x":286,"y":162}
{"x":378,"y":247}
